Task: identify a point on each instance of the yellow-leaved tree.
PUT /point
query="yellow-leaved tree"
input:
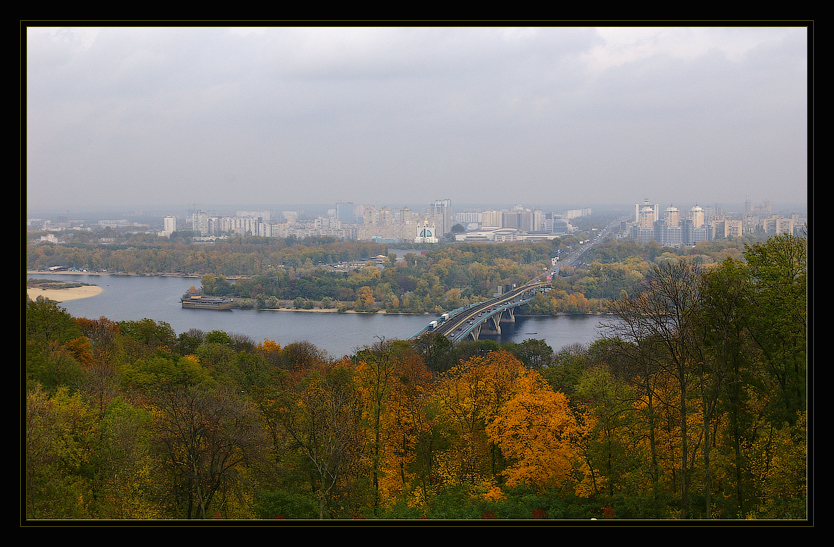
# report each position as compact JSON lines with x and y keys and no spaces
{"x":406,"y":433}
{"x":468,"y":397}
{"x":539,"y":435}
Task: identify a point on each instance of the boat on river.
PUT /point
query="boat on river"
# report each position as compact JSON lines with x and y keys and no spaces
{"x":200,"y":302}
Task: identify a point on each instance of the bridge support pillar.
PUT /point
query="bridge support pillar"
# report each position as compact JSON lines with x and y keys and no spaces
{"x":491,"y":326}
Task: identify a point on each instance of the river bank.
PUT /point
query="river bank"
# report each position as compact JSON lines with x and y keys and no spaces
{"x":242,"y":303}
{"x":117,"y":274}
{"x":64,"y":295}
{"x":133,"y":298}
{"x":328,"y":310}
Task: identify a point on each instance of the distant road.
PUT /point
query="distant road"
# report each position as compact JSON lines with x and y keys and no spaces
{"x":576,"y":255}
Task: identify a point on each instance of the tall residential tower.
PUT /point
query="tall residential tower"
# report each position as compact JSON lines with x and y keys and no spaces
{"x":440,"y":211}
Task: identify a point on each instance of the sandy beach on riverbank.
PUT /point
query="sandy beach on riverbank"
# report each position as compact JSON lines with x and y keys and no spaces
{"x":62,"y":295}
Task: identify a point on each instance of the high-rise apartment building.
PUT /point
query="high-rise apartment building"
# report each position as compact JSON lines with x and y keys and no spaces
{"x":491,"y":219}
{"x":726,"y":227}
{"x":672,"y":230}
{"x":344,"y":212}
{"x":519,"y":219}
{"x":696,"y":215}
{"x":646,"y":215}
{"x":467,"y":218}
{"x":672,"y":216}
{"x":692,"y":234}
{"x":200,"y":223}
{"x":666,"y":235}
{"x":774,"y":226}
{"x":407,"y":216}
{"x":263,"y":215}
{"x":575,"y":213}
{"x":440,"y":211}
{"x":169,"y":224}
{"x":555,"y":223}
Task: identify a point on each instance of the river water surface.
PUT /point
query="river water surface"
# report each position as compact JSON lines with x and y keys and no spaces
{"x":128,"y":298}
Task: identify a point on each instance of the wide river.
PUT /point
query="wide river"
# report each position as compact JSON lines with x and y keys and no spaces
{"x":126,"y":298}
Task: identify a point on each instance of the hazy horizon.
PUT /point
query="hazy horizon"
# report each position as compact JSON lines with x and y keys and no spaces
{"x":147,"y":118}
{"x":321,"y":208}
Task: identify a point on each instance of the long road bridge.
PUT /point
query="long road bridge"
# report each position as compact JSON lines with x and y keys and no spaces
{"x":484,"y":318}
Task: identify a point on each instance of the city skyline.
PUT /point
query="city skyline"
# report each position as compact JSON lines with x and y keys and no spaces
{"x":670,"y":226}
{"x":146,"y":117}
{"x":330,"y":209}
{"x":337,"y":210}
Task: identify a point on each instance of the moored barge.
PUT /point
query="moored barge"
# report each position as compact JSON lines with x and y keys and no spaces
{"x":200,"y":302}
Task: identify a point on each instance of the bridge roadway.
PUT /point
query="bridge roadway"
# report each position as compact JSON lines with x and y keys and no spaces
{"x":484,"y":317}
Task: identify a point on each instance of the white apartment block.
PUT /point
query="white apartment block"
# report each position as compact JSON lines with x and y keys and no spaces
{"x":169,"y":224}
{"x":775,"y":226}
{"x":576,"y":213}
{"x":468,"y":218}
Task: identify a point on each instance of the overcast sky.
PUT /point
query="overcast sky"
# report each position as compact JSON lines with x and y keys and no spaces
{"x":150,"y":117}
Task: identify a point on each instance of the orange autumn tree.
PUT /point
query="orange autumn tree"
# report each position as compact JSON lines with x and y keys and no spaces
{"x":102,"y":334}
{"x":467,"y":398}
{"x":268,"y":346}
{"x":539,"y":435}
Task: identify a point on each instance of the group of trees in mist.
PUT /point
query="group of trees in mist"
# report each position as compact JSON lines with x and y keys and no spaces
{"x":236,"y":256}
{"x":452,"y":276}
{"x":693,"y":406}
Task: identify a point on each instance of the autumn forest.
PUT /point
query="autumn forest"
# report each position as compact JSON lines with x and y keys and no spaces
{"x":693,"y":405}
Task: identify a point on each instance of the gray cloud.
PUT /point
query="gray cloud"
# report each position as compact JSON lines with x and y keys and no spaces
{"x":156,"y":116}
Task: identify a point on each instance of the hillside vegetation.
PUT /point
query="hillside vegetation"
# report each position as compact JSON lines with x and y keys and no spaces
{"x":694,"y":406}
